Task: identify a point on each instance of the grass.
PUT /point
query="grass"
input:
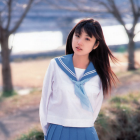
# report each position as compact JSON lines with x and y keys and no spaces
{"x":119,"y":100}
{"x":9,"y":93}
{"x":121,"y":118}
{"x":33,"y":134}
{"x":118,"y":120}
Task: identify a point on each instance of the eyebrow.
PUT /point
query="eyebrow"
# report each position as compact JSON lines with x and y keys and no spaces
{"x":86,"y":35}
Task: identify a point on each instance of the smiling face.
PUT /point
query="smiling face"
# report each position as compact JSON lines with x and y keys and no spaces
{"x":84,"y":42}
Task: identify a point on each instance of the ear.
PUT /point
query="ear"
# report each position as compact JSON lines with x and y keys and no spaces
{"x":96,"y":45}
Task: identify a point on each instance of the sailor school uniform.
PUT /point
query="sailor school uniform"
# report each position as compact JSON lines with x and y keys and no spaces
{"x":66,"y":100}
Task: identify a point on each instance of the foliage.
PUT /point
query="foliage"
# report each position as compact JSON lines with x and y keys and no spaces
{"x":9,"y":93}
{"x":32,"y":135}
{"x":120,"y":120}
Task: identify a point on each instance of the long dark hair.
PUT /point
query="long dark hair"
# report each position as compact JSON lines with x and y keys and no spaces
{"x":99,"y":56}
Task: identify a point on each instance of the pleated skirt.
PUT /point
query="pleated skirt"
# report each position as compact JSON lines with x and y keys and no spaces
{"x":59,"y":132}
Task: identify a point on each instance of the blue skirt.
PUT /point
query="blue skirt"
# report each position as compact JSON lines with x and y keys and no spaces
{"x":59,"y":132}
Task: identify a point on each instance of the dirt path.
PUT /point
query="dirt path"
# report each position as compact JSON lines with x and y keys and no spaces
{"x":24,"y":119}
{"x":17,"y":123}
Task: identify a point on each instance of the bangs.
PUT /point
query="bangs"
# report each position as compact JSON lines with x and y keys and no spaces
{"x":88,"y":28}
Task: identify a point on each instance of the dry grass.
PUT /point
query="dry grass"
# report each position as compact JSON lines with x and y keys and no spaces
{"x":123,"y":58}
{"x":31,"y":73}
{"x":12,"y":104}
{"x":28,"y":73}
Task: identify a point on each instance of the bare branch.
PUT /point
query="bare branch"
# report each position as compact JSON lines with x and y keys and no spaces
{"x":62,"y":7}
{"x":37,"y":1}
{"x":9,"y":13}
{"x":112,"y":9}
{"x":0,"y":27}
{"x":76,"y":8}
{"x":135,"y":15}
{"x":0,"y":21}
{"x":133,"y":8}
{"x":4,"y":7}
{"x":22,"y":17}
{"x":82,"y":9}
{"x":138,"y":4}
{"x":106,"y":6}
{"x":116,"y":13}
{"x":77,"y":5}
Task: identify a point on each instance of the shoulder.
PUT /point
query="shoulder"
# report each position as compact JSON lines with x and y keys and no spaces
{"x":55,"y":60}
{"x":62,"y":57}
{"x":96,"y":81}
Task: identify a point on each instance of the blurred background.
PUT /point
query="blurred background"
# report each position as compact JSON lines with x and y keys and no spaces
{"x":32,"y":32}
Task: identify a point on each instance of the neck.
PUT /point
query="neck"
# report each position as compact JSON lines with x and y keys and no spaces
{"x":80,"y":61}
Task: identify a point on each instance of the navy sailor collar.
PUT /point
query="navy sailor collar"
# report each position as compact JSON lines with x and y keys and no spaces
{"x":66,"y":64}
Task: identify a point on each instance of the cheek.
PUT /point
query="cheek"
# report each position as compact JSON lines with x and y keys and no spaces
{"x":91,"y":45}
{"x":73,"y":41}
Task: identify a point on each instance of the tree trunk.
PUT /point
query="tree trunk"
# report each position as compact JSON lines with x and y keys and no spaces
{"x":6,"y":70}
{"x":131,"y":49}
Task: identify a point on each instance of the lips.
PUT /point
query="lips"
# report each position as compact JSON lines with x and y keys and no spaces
{"x":78,"y":48}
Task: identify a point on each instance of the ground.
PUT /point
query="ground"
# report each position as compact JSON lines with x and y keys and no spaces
{"x":30,"y":73}
{"x":20,"y":113}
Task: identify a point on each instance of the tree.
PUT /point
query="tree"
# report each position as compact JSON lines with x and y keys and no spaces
{"x":120,"y":10}
{"x":7,"y":7}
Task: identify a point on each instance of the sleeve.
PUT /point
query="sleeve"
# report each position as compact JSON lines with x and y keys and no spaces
{"x":99,"y":101}
{"x":46,"y":92}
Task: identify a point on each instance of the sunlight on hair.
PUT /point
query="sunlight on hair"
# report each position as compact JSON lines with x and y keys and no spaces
{"x":116,"y":35}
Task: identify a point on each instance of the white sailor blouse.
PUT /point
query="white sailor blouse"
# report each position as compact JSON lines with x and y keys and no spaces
{"x":66,"y":100}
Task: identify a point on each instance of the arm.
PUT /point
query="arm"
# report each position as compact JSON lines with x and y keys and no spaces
{"x":99,"y":101}
{"x":46,"y":92}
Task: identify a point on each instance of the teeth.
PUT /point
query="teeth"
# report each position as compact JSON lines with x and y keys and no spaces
{"x":78,"y":48}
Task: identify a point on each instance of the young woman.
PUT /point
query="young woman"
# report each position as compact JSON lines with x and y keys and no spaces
{"x":75,"y":84}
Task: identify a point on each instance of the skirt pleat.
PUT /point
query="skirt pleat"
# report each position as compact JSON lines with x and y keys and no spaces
{"x":46,"y":137}
{"x":65,"y":134}
{"x":51,"y":132}
{"x":81,"y":134}
{"x":59,"y":132}
{"x":73,"y":133}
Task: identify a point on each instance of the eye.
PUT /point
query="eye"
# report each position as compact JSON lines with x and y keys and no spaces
{"x":87,"y":39}
{"x":77,"y":35}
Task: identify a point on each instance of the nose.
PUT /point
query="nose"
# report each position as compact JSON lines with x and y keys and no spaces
{"x":80,"y":41}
